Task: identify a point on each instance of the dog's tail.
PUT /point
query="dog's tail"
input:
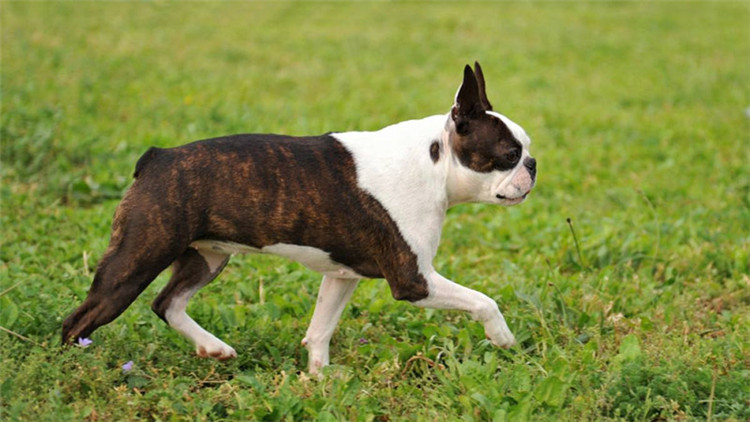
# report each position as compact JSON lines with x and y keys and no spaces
{"x":146,"y":158}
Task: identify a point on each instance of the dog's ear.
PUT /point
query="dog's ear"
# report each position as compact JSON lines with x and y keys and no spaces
{"x":468,"y":103}
{"x":482,"y":87}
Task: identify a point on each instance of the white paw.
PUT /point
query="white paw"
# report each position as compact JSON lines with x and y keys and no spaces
{"x":317,"y":355}
{"x":216,"y":349}
{"x":316,"y":367}
{"x":499,"y":334}
{"x":502,"y":339}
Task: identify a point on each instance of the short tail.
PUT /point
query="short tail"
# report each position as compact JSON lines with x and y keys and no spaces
{"x":145,"y":159}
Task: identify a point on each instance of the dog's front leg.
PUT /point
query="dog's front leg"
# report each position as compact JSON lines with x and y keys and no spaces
{"x":445,"y":294}
{"x":332,"y":298}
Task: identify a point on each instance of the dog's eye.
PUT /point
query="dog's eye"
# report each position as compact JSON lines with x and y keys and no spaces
{"x":513,"y":156}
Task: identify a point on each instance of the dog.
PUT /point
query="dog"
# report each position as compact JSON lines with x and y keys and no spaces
{"x":349,"y":205}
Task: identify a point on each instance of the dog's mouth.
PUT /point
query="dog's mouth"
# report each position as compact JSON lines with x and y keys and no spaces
{"x":512,"y":201}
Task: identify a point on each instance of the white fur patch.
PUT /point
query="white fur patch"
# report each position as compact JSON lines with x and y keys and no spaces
{"x":394,"y":166}
{"x":312,"y":258}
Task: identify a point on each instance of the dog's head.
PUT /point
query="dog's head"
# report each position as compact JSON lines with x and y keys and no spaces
{"x":491,"y":152}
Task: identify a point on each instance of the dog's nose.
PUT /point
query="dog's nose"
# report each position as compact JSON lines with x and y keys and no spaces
{"x":530,"y":164}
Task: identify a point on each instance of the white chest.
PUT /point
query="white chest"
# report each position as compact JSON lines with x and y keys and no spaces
{"x":394,"y":166}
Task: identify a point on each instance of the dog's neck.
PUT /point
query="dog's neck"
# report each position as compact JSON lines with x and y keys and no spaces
{"x":461,"y":184}
{"x":456,"y":185}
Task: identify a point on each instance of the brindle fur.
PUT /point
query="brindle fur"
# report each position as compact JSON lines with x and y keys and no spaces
{"x":255,"y":190}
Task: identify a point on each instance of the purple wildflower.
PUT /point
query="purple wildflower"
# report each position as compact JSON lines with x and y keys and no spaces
{"x":84,"y":342}
{"x":363,"y":341}
{"x":127,"y":367}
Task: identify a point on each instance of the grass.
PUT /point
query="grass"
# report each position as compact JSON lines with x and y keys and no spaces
{"x":638,"y":116}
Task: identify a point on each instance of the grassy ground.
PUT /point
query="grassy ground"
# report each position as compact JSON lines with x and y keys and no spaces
{"x":637,"y":112}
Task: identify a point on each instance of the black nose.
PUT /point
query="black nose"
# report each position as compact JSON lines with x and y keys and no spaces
{"x":530,"y":164}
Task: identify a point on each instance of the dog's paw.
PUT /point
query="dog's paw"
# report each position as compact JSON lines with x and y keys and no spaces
{"x":318,"y":356}
{"x":499,"y":334}
{"x":216,"y":349}
{"x":504,"y":340}
{"x":316,"y":368}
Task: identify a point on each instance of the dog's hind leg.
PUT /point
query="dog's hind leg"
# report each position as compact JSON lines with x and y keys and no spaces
{"x":123,"y":273}
{"x":332,"y":298}
{"x":140,"y":248}
{"x":191,"y":271}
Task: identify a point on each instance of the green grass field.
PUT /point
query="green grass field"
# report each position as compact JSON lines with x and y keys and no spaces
{"x":638,"y":117}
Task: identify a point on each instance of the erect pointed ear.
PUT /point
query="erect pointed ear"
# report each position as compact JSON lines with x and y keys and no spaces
{"x":482,"y":87}
{"x":467,"y":103}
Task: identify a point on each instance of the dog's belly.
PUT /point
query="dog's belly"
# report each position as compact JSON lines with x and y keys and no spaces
{"x":312,"y":258}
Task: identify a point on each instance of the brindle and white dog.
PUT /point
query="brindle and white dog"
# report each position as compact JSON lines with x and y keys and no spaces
{"x":348,"y":205}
